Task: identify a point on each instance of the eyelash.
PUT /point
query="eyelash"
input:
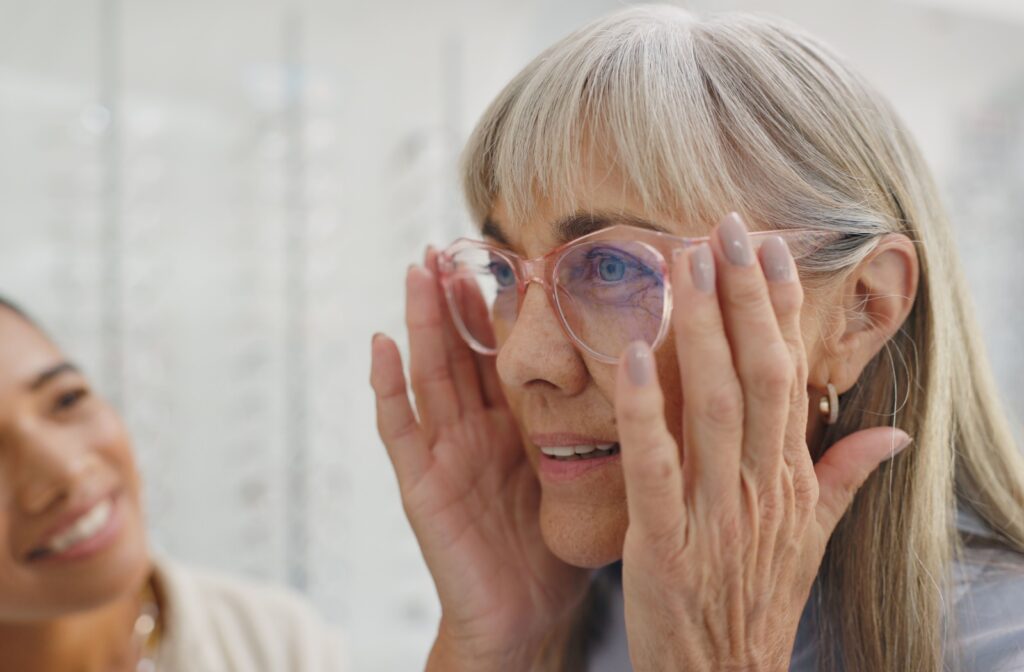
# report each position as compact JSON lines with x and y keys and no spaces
{"x":70,"y":399}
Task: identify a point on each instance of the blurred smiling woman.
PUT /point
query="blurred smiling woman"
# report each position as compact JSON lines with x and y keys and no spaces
{"x":79,"y":590}
{"x":716,"y":342}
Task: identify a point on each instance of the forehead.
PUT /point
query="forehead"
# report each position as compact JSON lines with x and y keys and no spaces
{"x":598,"y":198}
{"x":24,"y":350}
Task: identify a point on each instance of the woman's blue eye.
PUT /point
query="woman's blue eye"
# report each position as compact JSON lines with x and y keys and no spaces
{"x":502,"y":272}
{"x":611,"y":270}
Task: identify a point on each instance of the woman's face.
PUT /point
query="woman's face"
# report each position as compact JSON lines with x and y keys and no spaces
{"x":71,"y":528}
{"x":561,"y":397}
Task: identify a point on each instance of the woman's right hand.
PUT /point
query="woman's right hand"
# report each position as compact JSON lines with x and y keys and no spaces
{"x":469,"y":491}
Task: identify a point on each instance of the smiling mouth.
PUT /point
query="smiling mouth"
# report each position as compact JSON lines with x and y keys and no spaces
{"x":582,"y":452}
{"x":86,"y":527}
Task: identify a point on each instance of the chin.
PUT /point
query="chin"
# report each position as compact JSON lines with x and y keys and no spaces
{"x":112,"y":575}
{"x":584,"y":534}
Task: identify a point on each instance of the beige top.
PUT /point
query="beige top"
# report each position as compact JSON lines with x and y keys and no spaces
{"x":217,"y":623}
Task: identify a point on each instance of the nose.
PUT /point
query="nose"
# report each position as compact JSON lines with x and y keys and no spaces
{"x":537,"y":352}
{"x":49,"y":463}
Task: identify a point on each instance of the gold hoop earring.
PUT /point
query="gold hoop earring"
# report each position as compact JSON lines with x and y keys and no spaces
{"x":829,"y":405}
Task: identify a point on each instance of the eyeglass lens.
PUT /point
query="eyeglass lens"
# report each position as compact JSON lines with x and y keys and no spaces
{"x":609,"y":294}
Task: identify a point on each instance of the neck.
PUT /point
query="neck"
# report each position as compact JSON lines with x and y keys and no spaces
{"x":99,"y":640}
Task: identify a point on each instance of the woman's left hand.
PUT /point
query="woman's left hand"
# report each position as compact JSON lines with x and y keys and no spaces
{"x":724,"y":541}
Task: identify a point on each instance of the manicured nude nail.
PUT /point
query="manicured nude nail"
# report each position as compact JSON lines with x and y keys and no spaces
{"x":702,"y":268}
{"x":900,"y":445}
{"x":775,"y":259}
{"x":639,"y":364}
{"x":732,"y":233}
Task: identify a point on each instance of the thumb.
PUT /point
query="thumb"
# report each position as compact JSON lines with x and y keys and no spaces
{"x":847,"y":464}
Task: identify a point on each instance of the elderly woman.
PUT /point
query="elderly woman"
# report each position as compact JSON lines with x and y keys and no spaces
{"x":79,"y":589}
{"x":715,"y":341}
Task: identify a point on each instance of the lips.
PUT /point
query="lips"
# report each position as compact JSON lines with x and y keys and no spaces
{"x":566,"y":457}
{"x":580,"y":452}
{"x":79,"y":532}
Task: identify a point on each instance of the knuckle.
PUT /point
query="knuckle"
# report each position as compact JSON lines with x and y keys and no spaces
{"x":770,"y":503}
{"x":657,"y":472}
{"x":422,"y":322}
{"x":722,"y":407}
{"x":772,"y":374}
{"x":748,"y":293}
{"x":396,"y":435}
{"x":788,"y":299}
{"x":805,"y":490}
{"x":434,"y":373}
{"x":702,"y":325}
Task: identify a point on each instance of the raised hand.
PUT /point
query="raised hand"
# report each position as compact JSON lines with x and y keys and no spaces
{"x":468,"y":491}
{"x":725,"y":539}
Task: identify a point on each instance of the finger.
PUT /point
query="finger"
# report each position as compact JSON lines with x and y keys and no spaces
{"x":762,"y":359}
{"x":396,"y":421}
{"x":650,"y":457}
{"x":432,"y":380}
{"x":786,"y":295}
{"x":479,"y":320}
{"x":712,"y":398}
{"x":461,"y":359}
{"x":847,"y":464}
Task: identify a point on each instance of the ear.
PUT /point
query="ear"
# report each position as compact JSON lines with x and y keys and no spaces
{"x":876,"y":298}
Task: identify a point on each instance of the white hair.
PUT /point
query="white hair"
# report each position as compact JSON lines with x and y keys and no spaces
{"x":739,"y":112}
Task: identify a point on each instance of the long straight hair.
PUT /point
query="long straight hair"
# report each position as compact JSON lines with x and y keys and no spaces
{"x":739,"y":112}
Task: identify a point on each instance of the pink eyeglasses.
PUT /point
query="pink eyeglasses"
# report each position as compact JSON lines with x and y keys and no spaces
{"x":608,"y":288}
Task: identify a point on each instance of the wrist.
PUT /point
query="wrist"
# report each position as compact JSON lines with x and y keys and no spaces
{"x":453,"y":652}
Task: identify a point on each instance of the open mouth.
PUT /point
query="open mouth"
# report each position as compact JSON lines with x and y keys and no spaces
{"x":583,"y":452}
{"x":84,"y":529}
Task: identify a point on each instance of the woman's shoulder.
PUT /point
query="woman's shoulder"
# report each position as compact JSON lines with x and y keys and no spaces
{"x":221,"y":622}
{"x":989,"y":580}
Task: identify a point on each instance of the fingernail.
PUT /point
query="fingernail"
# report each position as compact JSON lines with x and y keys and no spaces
{"x":902,"y":444}
{"x":775,"y":259}
{"x":732,"y":233}
{"x":702,"y":268}
{"x":639,"y":366}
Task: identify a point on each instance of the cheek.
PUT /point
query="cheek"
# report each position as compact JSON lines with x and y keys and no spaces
{"x":15,"y":595}
{"x":109,"y":438}
{"x":667,"y":364}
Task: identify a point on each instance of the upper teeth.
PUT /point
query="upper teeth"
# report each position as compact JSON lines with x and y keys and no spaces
{"x":85,"y":527}
{"x":566,"y":451}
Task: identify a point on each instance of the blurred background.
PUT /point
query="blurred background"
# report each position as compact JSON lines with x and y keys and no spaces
{"x":211,"y":205}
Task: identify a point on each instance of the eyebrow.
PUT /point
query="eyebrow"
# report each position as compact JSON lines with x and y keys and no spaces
{"x":577,"y":225}
{"x":52,"y":372}
{"x":491,"y":229}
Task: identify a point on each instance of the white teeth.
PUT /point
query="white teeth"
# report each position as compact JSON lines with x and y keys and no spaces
{"x":569,"y":451}
{"x":86,"y":526}
{"x":558,"y":451}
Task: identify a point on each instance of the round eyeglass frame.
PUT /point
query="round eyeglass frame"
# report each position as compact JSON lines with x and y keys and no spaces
{"x":543,"y":271}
